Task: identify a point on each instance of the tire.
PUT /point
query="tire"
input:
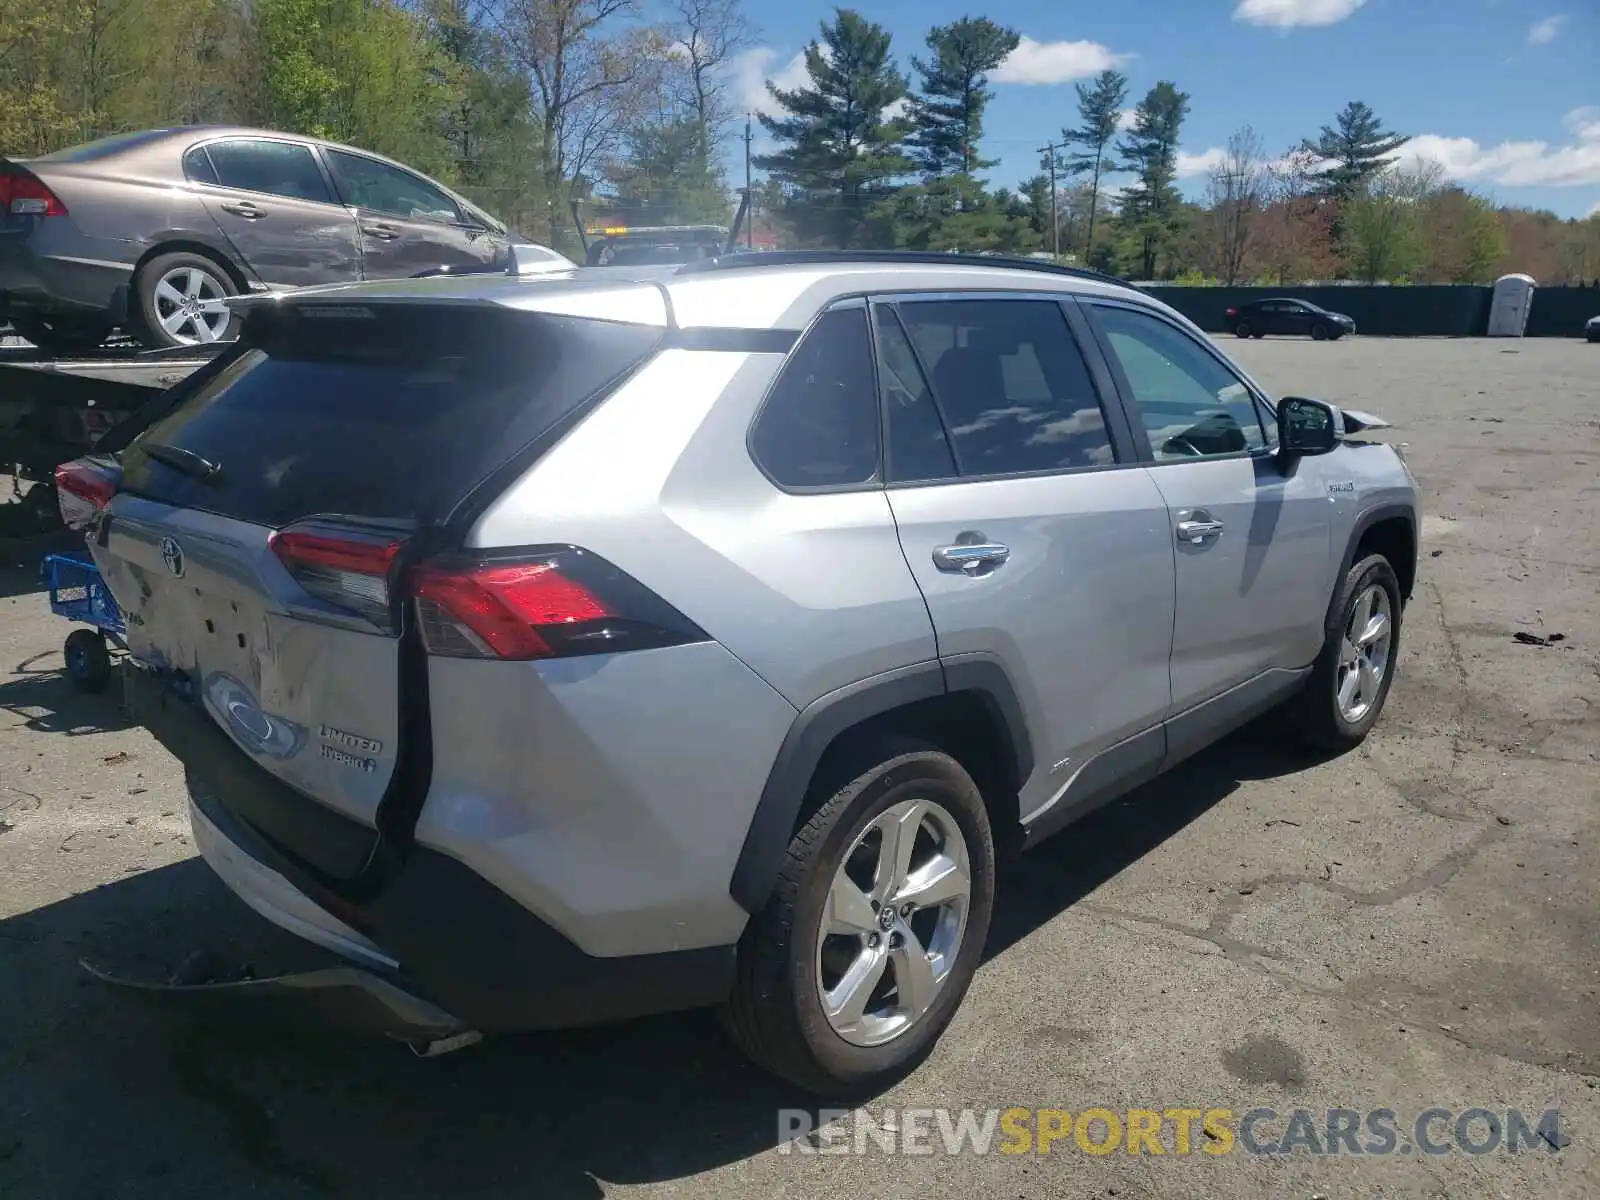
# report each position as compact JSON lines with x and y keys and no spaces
{"x":1319,"y":332}
{"x":62,"y":336}
{"x":1242,"y":329}
{"x":776,"y":1013}
{"x":164,"y":322}
{"x":88,"y":660}
{"x":1315,"y":715}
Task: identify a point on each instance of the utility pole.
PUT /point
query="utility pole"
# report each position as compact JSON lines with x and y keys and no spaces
{"x":1055,"y":221}
{"x":750,"y":199}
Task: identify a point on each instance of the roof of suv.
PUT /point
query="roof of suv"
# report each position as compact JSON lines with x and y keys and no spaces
{"x":754,"y":291}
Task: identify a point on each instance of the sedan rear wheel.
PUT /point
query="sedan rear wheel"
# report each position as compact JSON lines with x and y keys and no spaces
{"x":180,"y":301}
{"x":1242,"y":329}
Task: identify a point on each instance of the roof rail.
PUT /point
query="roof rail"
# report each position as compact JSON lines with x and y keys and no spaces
{"x":803,"y":258}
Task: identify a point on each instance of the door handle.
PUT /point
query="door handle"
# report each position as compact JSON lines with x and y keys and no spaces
{"x":1198,"y":531}
{"x":386,"y":232}
{"x":243,"y":208}
{"x":970,"y":557}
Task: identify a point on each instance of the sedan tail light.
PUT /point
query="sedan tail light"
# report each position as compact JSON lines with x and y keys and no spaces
{"x":1233,"y":312}
{"x":84,"y":487}
{"x":553,"y":603}
{"x":25,"y":194}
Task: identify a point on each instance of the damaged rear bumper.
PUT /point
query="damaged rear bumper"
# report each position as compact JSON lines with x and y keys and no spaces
{"x":342,"y":997}
{"x":429,"y":924}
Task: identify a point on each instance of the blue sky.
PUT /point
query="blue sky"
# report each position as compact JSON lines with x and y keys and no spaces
{"x":1504,"y":93}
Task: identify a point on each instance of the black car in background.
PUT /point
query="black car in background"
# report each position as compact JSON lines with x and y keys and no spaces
{"x":1257,"y":318}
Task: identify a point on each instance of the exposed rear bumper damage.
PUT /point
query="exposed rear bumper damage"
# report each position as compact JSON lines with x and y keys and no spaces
{"x":428,"y":925}
{"x":345,"y":997}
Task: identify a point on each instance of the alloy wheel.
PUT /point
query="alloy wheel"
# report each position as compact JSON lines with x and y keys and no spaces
{"x":893,"y":922}
{"x":189,"y":306}
{"x":1364,"y":654}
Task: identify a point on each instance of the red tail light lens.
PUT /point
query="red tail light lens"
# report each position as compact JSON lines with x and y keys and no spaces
{"x":26,"y":195}
{"x":83,"y":489}
{"x":550,"y":604}
{"x":349,"y":568}
{"x":1233,"y":312}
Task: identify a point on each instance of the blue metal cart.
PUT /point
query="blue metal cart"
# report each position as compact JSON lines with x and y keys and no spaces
{"x":78,"y":593}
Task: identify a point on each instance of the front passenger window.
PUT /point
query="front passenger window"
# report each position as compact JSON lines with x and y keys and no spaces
{"x":1191,"y":405}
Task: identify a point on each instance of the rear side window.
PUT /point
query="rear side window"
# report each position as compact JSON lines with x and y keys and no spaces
{"x":1013,"y":387}
{"x":819,"y":425}
{"x":197,"y":167}
{"x":393,"y":411}
{"x":277,"y":168}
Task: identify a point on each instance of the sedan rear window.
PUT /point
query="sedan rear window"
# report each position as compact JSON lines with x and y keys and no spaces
{"x":379,"y":411}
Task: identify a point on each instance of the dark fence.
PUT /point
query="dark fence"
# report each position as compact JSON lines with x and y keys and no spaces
{"x":1562,"y":311}
{"x":1422,"y":310}
{"x":1411,"y":311}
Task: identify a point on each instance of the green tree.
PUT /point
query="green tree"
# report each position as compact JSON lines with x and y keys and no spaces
{"x":1099,"y":110}
{"x":1358,"y":147}
{"x":1382,"y":226}
{"x":1149,"y":216}
{"x":947,"y":117}
{"x":839,"y":152}
{"x":663,"y":177}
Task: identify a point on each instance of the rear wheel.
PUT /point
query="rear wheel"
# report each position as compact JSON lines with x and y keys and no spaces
{"x":180,"y":301}
{"x":1351,"y":678}
{"x":875,"y":928}
{"x":62,"y":335}
{"x":88,"y":660}
{"x":1242,"y":329}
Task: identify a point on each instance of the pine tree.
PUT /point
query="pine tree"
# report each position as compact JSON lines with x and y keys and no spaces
{"x":840,"y":152}
{"x":1099,"y":108}
{"x":947,"y":118}
{"x":1150,"y":152}
{"x":1358,"y":146}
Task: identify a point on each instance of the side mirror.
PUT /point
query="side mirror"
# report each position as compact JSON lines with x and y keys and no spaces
{"x":1307,"y":427}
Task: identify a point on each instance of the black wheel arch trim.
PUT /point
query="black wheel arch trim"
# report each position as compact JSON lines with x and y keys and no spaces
{"x":1358,"y":530}
{"x":819,"y":723}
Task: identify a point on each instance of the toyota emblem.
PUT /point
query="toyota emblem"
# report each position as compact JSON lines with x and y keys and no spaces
{"x":172,"y":555}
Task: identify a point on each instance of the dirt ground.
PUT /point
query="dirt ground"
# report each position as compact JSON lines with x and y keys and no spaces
{"x":1416,"y":924}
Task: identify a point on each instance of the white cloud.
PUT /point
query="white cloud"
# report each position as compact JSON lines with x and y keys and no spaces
{"x":899,"y":108}
{"x":1190,"y":165}
{"x":1595,"y":211}
{"x":1286,"y":14}
{"x":1517,"y":164}
{"x":1125,"y":119}
{"x":1055,"y":62}
{"x":1583,"y":123}
{"x":751,"y":70}
{"x":1542,"y":33}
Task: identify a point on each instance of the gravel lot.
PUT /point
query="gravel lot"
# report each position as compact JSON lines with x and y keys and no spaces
{"x":1415,"y":924}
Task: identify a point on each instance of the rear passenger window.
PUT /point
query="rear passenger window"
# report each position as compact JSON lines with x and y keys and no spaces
{"x":918,"y":446}
{"x":1011,"y":383}
{"x":277,"y":168}
{"x":819,"y":426}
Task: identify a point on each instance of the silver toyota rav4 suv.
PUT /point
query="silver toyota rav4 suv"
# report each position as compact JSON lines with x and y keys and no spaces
{"x":570,"y":649}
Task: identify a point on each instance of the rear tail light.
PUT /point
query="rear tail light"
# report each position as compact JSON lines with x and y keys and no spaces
{"x":349,"y":568}
{"x":1233,"y":312}
{"x":541,"y":604}
{"x":83,"y":489}
{"x":28,"y":196}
